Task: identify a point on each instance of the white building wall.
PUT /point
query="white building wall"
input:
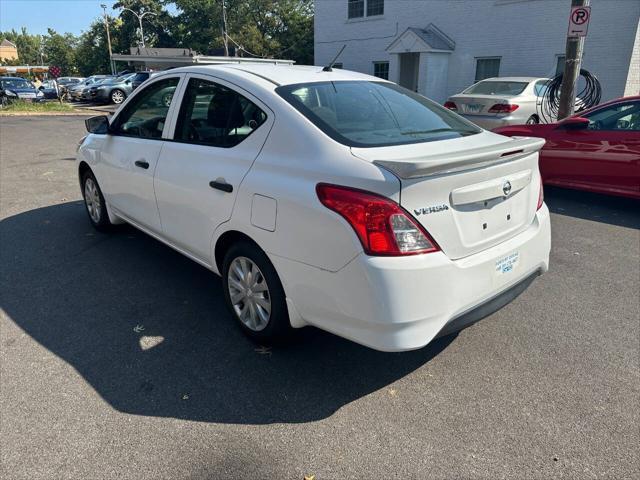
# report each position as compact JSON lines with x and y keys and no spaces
{"x":633,"y":79}
{"x":528,"y":35}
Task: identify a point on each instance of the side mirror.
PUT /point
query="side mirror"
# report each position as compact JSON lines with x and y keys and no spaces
{"x":575,"y":123}
{"x":99,"y":124}
{"x":128,"y":81}
{"x":40,"y":88}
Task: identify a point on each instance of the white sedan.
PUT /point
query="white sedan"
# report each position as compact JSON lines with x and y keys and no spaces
{"x":500,"y":101}
{"x":325,"y":198}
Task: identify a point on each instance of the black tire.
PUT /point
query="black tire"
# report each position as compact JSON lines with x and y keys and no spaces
{"x":97,"y":214}
{"x":532,"y":120}
{"x":278,"y":328}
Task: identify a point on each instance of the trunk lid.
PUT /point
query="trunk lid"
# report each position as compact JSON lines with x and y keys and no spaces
{"x":469,"y":193}
{"x":478,"y":104}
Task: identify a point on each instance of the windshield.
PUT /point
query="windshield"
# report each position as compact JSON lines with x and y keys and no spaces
{"x":497,"y":88}
{"x":11,"y":83}
{"x":374,"y":114}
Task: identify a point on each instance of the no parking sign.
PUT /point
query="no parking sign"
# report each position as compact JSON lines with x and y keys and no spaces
{"x":579,"y":21}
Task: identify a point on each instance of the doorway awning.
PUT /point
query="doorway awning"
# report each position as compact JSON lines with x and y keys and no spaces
{"x":428,"y":39}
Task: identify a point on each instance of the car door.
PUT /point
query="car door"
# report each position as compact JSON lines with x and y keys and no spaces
{"x":130,"y":152}
{"x":219,"y":131}
{"x":604,"y":157}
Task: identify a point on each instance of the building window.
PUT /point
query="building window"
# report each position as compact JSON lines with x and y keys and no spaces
{"x":375,"y":7}
{"x":560,"y":59}
{"x":487,"y":68}
{"x":357,"y":8}
{"x":381,"y":70}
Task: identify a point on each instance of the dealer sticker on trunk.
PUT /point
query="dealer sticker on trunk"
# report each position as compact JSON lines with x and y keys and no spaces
{"x":508,"y":263}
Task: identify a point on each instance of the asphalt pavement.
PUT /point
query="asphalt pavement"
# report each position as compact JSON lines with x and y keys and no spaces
{"x":119,"y":360}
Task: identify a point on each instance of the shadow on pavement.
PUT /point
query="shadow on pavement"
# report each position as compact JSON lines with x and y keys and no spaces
{"x":148,"y":329}
{"x":620,"y":211}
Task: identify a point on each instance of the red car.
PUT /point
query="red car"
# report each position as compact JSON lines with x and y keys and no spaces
{"x":596,"y":150}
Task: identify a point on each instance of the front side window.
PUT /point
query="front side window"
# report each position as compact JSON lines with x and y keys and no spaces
{"x":624,"y":116}
{"x":214,"y":115}
{"x":381,"y":70}
{"x":146,"y":114}
{"x":496,"y":87}
{"x":487,"y":68}
{"x":374,"y":114}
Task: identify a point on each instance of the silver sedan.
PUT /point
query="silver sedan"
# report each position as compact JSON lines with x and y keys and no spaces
{"x":499,"y":101}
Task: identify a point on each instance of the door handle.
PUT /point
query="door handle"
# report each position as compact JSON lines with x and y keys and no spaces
{"x":141,"y":164}
{"x":221,"y":185}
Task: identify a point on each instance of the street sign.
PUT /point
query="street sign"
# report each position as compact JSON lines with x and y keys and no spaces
{"x":54,"y":71}
{"x":579,"y":21}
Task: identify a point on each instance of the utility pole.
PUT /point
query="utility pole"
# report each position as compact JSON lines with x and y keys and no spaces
{"x":106,"y":24}
{"x":225,"y":40}
{"x":140,"y":17}
{"x":573,"y":59}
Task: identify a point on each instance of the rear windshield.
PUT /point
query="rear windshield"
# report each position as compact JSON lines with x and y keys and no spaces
{"x":497,"y":88}
{"x":374,"y":114}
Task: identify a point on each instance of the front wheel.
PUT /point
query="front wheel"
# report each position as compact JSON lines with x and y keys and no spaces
{"x":532,"y":120}
{"x":254,"y":294}
{"x":94,"y":203}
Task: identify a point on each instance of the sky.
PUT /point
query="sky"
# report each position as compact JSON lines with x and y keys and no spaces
{"x":72,"y":16}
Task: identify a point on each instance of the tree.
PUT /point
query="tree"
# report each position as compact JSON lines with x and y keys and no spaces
{"x":28,"y":46}
{"x":92,"y":51}
{"x":60,"y":50}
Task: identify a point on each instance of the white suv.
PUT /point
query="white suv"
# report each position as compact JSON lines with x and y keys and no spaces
{"x":325,"y":198}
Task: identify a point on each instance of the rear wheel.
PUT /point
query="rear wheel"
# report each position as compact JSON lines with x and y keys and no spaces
{"x":254,"y":294}
{"x":533,"y":120}
{"x":117,"y":96}
{"x":94,"y":202}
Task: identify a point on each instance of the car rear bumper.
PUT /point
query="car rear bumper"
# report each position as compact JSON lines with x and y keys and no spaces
{"x":402,"y":303}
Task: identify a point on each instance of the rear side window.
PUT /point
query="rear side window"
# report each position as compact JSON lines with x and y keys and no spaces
{"x":374,"y":114}
{"x":214,"y":115}
{"x":497,"y":88}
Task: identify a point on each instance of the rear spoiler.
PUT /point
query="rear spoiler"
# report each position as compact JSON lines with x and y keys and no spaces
{"x":442,"y":164}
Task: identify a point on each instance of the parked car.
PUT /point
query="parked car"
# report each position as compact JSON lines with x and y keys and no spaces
{"x":113,"y":90}
{"x":48,"y":89}
{"x":139,"y":78}
{"x":75,"y":92}
{"x":334,"y":199}
{"x":596,"y":150}
{"x":500,"y":101}
{"x":15,"y":88}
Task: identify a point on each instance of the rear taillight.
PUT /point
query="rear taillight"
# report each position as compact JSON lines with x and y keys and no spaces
{"x":383,"y":226}
{"x":540,"y":196}
{"x":503,"y":108}
{"x":450,"y":106}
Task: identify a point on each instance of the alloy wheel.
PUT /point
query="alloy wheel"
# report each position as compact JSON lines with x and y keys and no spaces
{"x":92,"y":199}
{"x":117,"y":96}
{"x":249,"y":293}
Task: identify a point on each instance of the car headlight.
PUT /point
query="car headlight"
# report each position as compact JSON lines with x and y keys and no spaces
{"x":102,"y":88}
{"x":40,"y":94}
{"x":9,"y":93}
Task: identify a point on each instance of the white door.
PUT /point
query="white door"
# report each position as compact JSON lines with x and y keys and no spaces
{"x":130,"y":152}
{"x":219,"y":132}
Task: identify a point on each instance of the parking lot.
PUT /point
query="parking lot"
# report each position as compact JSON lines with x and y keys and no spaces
{"x":119,"y":359}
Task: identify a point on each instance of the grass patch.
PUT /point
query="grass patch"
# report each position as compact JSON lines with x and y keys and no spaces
{"x":20,"y":106}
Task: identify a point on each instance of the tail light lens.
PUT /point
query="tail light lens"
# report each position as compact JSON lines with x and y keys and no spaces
{"x":383,"y":226}
{"x":540,"y":195}
{"x":503,"y":108}
{"x":450,"y":106}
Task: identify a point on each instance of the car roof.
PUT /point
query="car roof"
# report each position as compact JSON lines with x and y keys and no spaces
{"x":282,"y":74}
{"x":13,"y":78}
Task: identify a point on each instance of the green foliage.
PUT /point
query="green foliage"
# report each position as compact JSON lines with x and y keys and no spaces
{"x":263,"y":28}
{"x":31,"y":107}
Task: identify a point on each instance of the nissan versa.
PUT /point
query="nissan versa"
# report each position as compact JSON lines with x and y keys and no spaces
{"x":325,"y":198}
